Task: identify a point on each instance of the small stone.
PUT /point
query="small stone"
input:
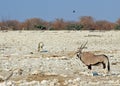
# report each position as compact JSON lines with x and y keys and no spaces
{"x":118,"y":76}
{"x":70,"y":81}
{"x":95,"y":73}
{"x":35,"y":72}
{"x":1,"y":80}
{"x":63,"y":75}
{"x":77,"y":79}
{"x":43,"y":82}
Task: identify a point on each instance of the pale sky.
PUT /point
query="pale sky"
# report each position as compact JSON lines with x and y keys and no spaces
{"x":49,"y":10}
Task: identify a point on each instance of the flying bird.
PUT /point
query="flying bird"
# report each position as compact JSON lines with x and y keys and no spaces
{"x":73,"y":11}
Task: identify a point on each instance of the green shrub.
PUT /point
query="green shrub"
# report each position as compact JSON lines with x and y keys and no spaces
{"x":74,"y":27}
{"x":41,"y":27}
{"x":117,"y":27}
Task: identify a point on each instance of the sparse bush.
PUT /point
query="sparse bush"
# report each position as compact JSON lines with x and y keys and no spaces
{"x":74,"y":27}
{"x":40,"y":27}
{"x":85,"y":23}
{"x":117,"y":27}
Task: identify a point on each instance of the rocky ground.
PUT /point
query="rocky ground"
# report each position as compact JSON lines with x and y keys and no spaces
{"x":56,"y":64}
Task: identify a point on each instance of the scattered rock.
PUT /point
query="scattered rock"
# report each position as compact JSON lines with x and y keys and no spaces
{"x":1,"y":79}
{"x":95,"y":74}
{"x":55,"y":66}
{"x":36,"y":72}
{"x":32,"y":83}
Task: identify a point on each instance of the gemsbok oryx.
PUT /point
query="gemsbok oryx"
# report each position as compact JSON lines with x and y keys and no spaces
{"x":90,"y":59}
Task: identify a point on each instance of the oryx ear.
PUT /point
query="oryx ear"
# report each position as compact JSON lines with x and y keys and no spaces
{"x":78,"y":50}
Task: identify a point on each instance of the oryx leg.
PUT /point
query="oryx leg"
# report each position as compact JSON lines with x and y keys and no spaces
{"x":104,"y":65}
{"x":89,"y":67}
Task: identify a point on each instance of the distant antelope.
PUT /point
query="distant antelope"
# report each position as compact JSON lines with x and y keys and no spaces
{"x":40,"y":46}
{"x":90,"y":59}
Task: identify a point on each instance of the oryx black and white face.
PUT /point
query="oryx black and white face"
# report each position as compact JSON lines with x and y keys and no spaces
{"x":78,"y":55}
{"x":79,"y":51}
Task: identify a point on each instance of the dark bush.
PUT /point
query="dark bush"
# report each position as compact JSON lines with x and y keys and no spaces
{"x":74,"y":27}
{"x":117,"y":27}
{"x":40,"y":27}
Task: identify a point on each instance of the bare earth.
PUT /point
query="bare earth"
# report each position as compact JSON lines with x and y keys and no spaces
{"x":57,"y":65}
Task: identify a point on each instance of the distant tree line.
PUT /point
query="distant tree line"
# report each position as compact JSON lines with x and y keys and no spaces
{"x":84,"y":23}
